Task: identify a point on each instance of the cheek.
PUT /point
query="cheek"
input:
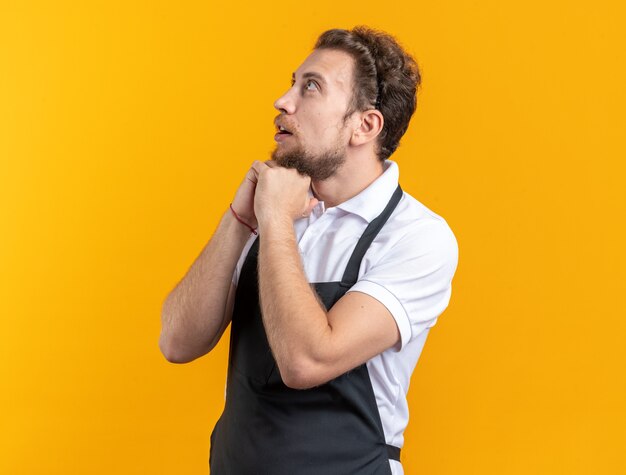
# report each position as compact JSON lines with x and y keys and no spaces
{"x":328,"y":127}
{"x":319,"y":129}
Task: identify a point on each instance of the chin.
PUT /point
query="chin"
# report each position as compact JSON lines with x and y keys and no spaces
{"x":285,"y":157}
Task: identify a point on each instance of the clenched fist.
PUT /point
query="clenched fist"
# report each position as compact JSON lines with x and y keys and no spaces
{"x":281,"y":193}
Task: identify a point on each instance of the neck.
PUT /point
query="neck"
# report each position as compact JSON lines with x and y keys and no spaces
{"x":352,"y":178}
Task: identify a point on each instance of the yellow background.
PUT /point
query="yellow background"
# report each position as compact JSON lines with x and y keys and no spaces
{"x":125,"y":128}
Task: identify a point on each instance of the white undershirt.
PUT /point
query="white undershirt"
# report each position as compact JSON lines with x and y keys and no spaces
{"x":408,"y":268}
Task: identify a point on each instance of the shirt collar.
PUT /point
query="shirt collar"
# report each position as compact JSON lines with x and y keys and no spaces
{"x":370,"y":202}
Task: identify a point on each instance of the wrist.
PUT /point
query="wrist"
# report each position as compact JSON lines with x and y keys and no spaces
{"x":275,"y":222}
{"x":240,"y":221}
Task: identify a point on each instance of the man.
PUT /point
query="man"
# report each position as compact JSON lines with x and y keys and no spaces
{"x":334,"y":290}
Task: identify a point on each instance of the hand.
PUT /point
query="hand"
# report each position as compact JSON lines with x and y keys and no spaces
{"x":281,"y":193}
{"x":243,"y":204}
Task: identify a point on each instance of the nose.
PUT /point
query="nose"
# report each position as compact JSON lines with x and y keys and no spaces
{"x":286,"y":103}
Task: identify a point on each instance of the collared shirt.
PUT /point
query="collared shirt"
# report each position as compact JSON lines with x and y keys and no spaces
{"x":408,"y":268}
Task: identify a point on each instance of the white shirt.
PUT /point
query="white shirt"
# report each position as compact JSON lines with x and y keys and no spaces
{"x":408,"y":268}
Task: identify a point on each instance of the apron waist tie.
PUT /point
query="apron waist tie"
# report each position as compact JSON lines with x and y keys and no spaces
{"x":393,"y":452}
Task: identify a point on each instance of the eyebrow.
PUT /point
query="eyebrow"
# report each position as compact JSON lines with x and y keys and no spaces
{"x":310,"y":74}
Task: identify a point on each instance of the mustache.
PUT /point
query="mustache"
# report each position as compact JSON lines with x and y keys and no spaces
{"x":280,"y":121}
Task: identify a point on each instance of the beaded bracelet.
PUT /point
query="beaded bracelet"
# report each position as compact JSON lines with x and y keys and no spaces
{"x":242,"y":221}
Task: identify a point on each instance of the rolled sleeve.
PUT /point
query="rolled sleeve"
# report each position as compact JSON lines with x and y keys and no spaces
{"x":413,"y":279}
{"x":390,"y":301}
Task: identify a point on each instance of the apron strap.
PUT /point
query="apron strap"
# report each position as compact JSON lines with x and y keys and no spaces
{"x":351,"y":274}
{"x":393,"y":452}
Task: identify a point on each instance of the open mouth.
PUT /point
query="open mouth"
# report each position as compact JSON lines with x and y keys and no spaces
{"x":280,"y":130}
{"x":281,"y":133}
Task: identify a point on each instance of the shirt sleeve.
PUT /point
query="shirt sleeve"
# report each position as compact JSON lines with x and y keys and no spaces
{"x":413,"y":279}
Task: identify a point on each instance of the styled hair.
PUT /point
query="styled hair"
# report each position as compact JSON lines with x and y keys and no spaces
{"x":385,"y":78}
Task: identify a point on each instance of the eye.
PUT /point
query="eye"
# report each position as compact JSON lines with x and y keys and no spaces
{"x":310,"y":85}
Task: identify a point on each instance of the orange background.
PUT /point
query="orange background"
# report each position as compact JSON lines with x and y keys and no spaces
{"x":125,"y":128}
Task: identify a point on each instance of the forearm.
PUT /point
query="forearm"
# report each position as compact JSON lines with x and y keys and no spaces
{"x":295,"y":321}
{"x":193,"y":312}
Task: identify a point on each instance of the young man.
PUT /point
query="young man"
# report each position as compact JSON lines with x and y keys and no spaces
{"x":332,"y":294}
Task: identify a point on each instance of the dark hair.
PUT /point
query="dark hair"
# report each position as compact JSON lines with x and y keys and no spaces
{"x":385,"y":78}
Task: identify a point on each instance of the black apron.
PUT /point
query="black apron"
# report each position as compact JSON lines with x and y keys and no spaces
{"x":268,"y":428}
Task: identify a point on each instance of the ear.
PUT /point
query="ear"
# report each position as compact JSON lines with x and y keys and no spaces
{"x":370,"y":126}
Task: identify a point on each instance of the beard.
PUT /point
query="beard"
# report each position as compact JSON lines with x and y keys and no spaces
{"x":319,"y":167}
